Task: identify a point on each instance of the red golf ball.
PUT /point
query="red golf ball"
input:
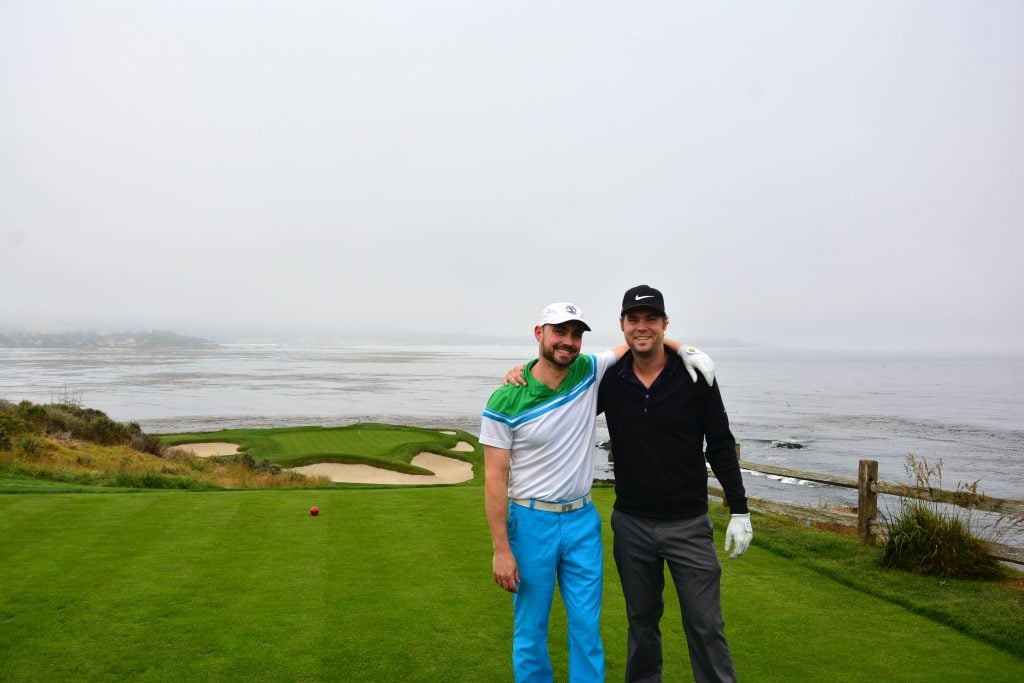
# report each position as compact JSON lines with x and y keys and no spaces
{"x":314,"y":511}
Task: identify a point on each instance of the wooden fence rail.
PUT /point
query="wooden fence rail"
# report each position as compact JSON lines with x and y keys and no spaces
{"x":865,"y":520}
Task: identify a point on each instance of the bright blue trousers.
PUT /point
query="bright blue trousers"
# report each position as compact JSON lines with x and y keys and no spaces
{"x":566,"y":547}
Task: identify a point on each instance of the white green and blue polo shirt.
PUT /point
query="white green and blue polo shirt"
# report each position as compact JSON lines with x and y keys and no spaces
{"x":551,"y":433}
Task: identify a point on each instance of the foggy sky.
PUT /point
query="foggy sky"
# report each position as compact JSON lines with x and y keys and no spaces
{"x":798,"y":173}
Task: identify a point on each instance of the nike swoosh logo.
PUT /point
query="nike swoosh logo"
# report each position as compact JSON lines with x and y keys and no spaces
{"x":645,"y":296}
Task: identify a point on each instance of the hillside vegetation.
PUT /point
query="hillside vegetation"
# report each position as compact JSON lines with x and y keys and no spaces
{"x":67,"y":443}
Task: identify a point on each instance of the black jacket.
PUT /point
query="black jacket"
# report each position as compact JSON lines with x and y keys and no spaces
{"x":657,"y":437}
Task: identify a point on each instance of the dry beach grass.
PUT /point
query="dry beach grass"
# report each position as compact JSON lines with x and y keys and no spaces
{"x":81,"y":462}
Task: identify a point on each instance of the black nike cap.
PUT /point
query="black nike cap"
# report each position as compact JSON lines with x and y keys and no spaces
{"x":643,"y":296}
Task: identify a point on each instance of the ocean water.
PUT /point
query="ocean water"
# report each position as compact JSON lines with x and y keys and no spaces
{"x":965,"y":411}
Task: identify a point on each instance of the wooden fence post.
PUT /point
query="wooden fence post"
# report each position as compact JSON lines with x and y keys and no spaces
{"x":867,"y":501}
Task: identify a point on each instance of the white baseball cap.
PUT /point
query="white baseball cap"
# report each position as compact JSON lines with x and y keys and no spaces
{"x":562,"y":312}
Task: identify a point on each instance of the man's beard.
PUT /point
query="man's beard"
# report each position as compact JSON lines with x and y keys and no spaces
{"x":549,"y":354}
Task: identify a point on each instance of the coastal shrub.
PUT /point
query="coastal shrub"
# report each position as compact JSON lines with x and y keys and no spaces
{"x":153,"y":480}
{"x":30,"y":446}
{"x":147,"y":443}
{"x":261,"y":466}
{"x":934,"y":538}
{"x":105,"y":431}
{"x":264,"y":466}
{"x":12,"y":424}
{"x":57,"y":420}
{"x":926,"y":541}
{"x":5,"y":440}
{"x":34,"y":415}
{"x":72,"y":419}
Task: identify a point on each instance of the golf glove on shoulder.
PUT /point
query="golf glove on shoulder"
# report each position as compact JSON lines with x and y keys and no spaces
{"x":694,"y":359}
{"x":740,"y":533}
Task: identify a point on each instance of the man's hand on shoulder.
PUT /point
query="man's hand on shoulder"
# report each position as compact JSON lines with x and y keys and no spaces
{"x":516,"y":376}
{"x":694,"y":359}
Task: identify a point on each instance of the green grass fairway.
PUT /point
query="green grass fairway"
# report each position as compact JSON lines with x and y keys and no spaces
{"x":387,"y":446}
{"x":389,"y":585}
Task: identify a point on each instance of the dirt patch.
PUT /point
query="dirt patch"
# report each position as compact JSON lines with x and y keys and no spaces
{"x":1015,"y":584}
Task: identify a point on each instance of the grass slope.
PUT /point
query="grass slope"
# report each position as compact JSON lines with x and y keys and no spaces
{"x":21,"y":484}
{"x":395,"y":584}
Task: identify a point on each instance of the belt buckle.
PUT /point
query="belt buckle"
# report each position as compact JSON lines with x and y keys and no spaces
{"x":567,"y":507}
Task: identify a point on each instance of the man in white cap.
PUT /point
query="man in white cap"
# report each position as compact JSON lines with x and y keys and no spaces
{"x":539,"y":443}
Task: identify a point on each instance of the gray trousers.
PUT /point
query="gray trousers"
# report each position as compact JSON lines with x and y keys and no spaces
{"x":642,"y":547}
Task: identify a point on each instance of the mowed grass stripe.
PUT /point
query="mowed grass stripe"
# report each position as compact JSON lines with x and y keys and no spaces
{"x":384,"y":585}
{"x":72,"y":591}
{"x":419,"y":603}
{"x":839,"y":634}
{"x":195,"y":577}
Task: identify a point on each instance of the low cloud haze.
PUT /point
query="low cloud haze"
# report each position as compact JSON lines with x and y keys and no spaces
{"x":841,"y":174}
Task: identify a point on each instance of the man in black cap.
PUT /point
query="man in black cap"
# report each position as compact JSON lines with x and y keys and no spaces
{"x":658,"y":421}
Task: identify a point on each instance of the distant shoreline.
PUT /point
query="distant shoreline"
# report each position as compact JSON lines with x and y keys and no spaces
{"x":158,"y":339}
{"x":153,"y":339}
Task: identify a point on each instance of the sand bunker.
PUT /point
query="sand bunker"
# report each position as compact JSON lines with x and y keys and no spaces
{"x":446,"y":471}
{"x":208,"y":450}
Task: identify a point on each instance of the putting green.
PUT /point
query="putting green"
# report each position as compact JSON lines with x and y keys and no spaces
{"x":363,"y":453}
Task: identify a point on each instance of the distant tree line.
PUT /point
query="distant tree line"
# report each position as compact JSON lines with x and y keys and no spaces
{"x":154,"y":339}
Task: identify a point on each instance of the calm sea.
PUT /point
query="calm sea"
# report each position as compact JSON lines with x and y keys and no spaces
{"x":839,"y":407}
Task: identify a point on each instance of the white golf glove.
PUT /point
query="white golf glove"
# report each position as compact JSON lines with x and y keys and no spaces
{"x":694,"y":359}
{"x":739,"y":532}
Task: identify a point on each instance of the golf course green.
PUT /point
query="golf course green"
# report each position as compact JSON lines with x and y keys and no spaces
{"x":388,"y":447}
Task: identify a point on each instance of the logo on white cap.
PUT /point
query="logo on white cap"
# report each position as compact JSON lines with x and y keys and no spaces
{"x":562,"y":312}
